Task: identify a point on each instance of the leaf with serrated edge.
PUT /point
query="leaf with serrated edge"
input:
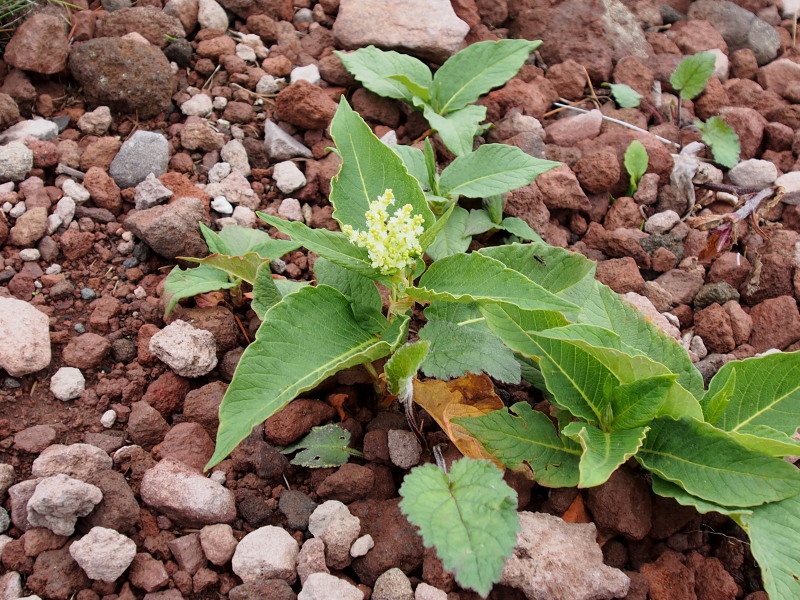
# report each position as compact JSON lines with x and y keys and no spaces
{"x":324,"y":446}
{"x":722,"y":139}
{"x":603,"y":451}
{"x":468,"y":515}
{"x":452,"y":238}
{"x":459,"y":128}
{"x":304,"y":339}
{"x":478,"y":278}
{"x":181,"y":283}
{"x":374,"y":68}
{"x":692,"y":74}
{"x":491,"y":169}
{"x":457,"y":349}
{"x":369,"y":168}
{"x":665,"y":488}
{"x":476,"y":70}
{"x":624,"y":95}
{"x":526,"y":441}
{"x":775,"y":544}
{"x":329,"y":244}
{"x":766,"y":391}
{"x":244,"y":266}
{"x":709,"y":464}
{"x":402,"y":367}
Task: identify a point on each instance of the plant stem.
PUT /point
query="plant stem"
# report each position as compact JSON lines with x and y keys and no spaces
{"x":368,"y":366}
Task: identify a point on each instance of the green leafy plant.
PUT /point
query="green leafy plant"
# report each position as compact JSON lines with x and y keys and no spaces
{"x":446,"y":98}
{"x":325,"y":446}
{"x":722,"y":139}
{"x":618,"y":387}
{"x":624,"y":95}
{"x":635,"y":160}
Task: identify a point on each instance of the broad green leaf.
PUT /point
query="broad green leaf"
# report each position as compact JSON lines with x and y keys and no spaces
{"x":639,"y":402}
{"x":182,"y":283}
{"x":213,"y":240}
{"x":772,"y":529}
{"x":489,"y":170}
{"x":518,"y":227}
{"x":325,"y":446}
{"x":469,"y":515}
{"x":513,"y":324}
{"x":241,"y":240}
{"x":427,"y":239}
{"x":457,"y":129}
{"x":329,"y":244}
{"x":692,"y":74}
{"x":603,"y":307}
{"x":765,"y":391}
{"x":374,"y":69}
{"x":452,"y":237}
{"x":767,"y":440}
{"x":365,"y":298}
{"x":493,"y":205}
{"x":665,"y":488}
{"x":709,"y":464}
{"x":603,"y":451}
{"x":476,"y":70}
{"x":479,"y":222}
{"x":566,"y":274}
{"x":369,"y":168}
{"x":716,"y":399}
{"x":430,"y":163}
{"x":624,"y":95}
{"x":415,"y":89}
{"x":265,"y":293}
{"x":635,"y":160}
{"x":722,"y":139}
{"x":478,"y":278}
{"x":457,"y":349}
{"x":242,"y":267}
{"x":414,"y":160}
{"x":402,"y":367}
{"x":305,"y":338}
{"x":526,"y":440}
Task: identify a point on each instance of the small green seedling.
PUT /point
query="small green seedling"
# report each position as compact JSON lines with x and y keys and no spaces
{"x":722,"y":139}
{"x":325,"y":446}
{"x":636,"y":161}
{"x":446,"y":98}
{"x":692,"y":74}
{"x":624,"y":95}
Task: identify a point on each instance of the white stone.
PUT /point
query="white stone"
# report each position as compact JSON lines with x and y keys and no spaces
{"x":362,"y":545}
{"x":25,"y":332}
{"x":235,"y":155}
{"x":662,"y":222}
{"x":288,"y":177}
{"x":319,"y":520}
{"x":65,"y":210}
{"x":29,"y":254}
{"x":644,"y":306}
{"x":219,"y":171}
{"x":11,"y":581}
{"x":246,"y":53}
{"x":41,"y":129}
{"x":389,"y":138}
{"x":59,"y":500}
{"x":309,"y":73}
{"x":754,"y":173}
{"x":721,"y":64}
{"x":698,"y":347}
{"x":245,"y":217}
{"x":236,"y":189}
{"x":791,"y":8}
{"x":108,"y":418}
{"x":222,"y":206}
{"x":95,"y":122}
{"x":322,"y":586}
{"x":81,"y":461}
{"x":428,"y":592}
{"x":339,"y":535}
{"x":198,"y":105}
{"x":19,"y":209}
{"x":16,"y":161}
{"x":791,"y":183}
{"x":254,"y":41}
{"x":67,"y":383}
{"x":103,"y":554}
{"x":211,"y":15}
{"x":267,"y":85}
{"x":251,"y":563}
{"x":53,"y":269}
{"x":187,"y":350}
{"x":290,"y":209}
{"x":220,"y":102}
{"x":76,"y":191}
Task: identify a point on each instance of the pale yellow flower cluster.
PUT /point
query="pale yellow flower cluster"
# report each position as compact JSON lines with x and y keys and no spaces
{"x":392,"y":242}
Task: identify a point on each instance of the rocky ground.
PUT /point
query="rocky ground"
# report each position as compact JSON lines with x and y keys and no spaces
{"x":124,"y":126}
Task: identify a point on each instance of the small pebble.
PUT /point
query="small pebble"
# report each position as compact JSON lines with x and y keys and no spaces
{"x":53,"y":269}
{"x":140,"y":293}
{"x":278,"y":266}
{"x":308,"y":73}
{"x":131,"y":262}
{"x":222,"y":206}
{"x":10,"y":383}
{"x":79,"y":327}
{"x":88,"y":294}
{"x":18,"y":210}
{"x":220,"y":102}
{"x":29,"y":254}
{"x":108,"y":419}
{"x":219,"y":477}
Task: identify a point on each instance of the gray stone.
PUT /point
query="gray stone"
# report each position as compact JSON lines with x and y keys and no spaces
{"x":426,"y":28}
{"x":754,"y":173}
{"x":95,"y":122}
{"x":392,"y":585}
{"x":185,"y":496}
{"x":739,"y":28}
{"x":81,"y":461}
{"x":251,"y":563}
{"x":404,"y":449}
{"x":151,"y":192}
{"x":720,"y":292}
{"x":103,"y":554}
{"x":199,"y":105}
{"x":76,"y":191}
{"x":5,"y":520}
{"x":19,"y":495}
{"x":7,"y":477}
{"x":280,"y":145}
{"x":290,"y":209}
{"x":288,"y":177}
{"x":790,"y":182}
{"x":187,"y":350}
{"x":662,"y":222}
{"x":25,"y":332}
{"x":170,"y":230}
{"x":322,"y":586}
{"x":143,"y":153}
{"x":16,"y":161}
{"x":342,"y":530}
{"x":211,"y":15}
{"x":555,"y":559}
{"x":59,"y":500}
{"x":235,"y":155}
{"x":67,"y":383}
{"x":40,"y":129}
